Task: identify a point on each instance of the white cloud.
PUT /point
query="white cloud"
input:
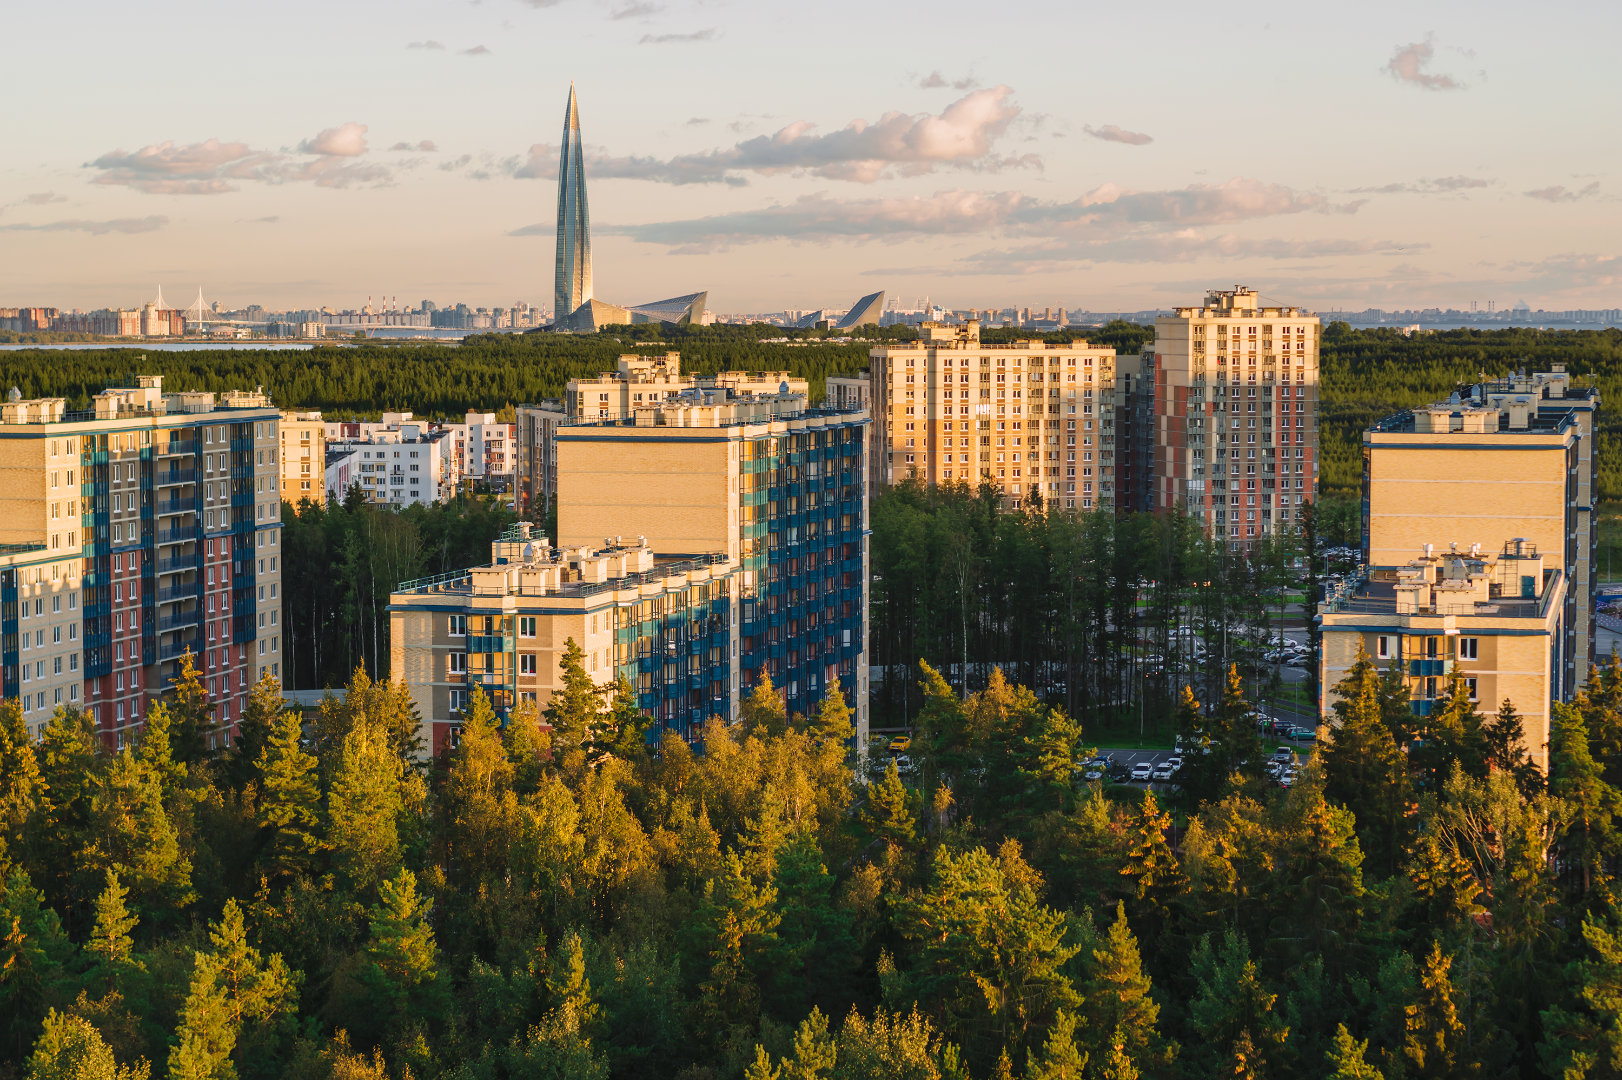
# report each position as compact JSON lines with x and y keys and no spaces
{"x":936,"y":81}
{"x":477,"y":50}
{"x":707,"y":34}
{"x":1408,"y":63}
{"x":424,"y":45}
{"x":213,"y":167}
{"x":346,"y":140}
{"x":426,"y":146}
{"x":1111,"y":133}
{"x":94,"y":228}
{"x":40,"y":198}
{"x":635,"y":9}
{"x":1106,"y":212}
{"x":962,"y":136}
{"x":1442,"y":185}
{"x":1559,"y":194}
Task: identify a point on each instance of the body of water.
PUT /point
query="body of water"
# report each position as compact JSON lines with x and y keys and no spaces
{"x":170,"y":346}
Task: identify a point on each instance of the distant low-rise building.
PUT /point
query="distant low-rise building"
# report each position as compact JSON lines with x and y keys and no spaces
{"x":304,"y":455}
{"x":393,"y":468}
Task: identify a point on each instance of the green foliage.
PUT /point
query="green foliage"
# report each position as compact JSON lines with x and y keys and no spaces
{"x":70,"y":1048}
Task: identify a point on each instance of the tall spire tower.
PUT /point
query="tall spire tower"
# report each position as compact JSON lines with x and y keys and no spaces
{"x":573,"y":286}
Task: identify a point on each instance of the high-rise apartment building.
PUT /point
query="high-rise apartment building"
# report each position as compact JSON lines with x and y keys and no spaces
{"x":759,"y":479}
{"x":1032,"y":419}
{"x":638,"y":381}
{"x":1232,"y":387}
{"x":136,"y":531}
{"x":703,"y":545}
{"x":303,"y":458}
{"x":1515,"y":460}
{"x":396,"y":467}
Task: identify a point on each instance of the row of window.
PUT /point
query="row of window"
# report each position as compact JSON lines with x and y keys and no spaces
{"x":1468,"y":648}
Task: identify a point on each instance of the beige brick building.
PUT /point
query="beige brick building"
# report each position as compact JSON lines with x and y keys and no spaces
{"x":1496,"y":612}
{"x":1031,"y":419}
{"x":303,"y":458}
{"x":1513,"y":459}
{"x":1232,"y":389}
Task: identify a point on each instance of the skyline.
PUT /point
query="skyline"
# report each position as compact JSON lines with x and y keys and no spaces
{"x":1407,"y":159}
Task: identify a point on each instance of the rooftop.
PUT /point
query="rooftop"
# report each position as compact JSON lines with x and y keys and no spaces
{"x":1512,"y":583}
{"x":138,"y":396}
{"x":1535,"y":404}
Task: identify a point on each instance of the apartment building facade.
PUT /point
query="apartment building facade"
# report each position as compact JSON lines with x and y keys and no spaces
{"x":764,"y":480}
{"x":1230,"y":389}
{"x":396,"y":467}
{"x":536,"y":451}
{"x":303,"y":438}
{"x":666,"y":625}
{"x":1510,"y":459}
{"x":157,"y":517}
{"x":1034,"y":420}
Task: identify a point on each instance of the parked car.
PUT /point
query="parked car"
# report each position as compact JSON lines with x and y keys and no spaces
{"x":1175,"y":762}
{"x":1284,"y":753}
{"x":1118,"y":772}
{"x":1304,"y":734}
{"x":1143,"y":770}
{"x":900,"y":744}
{"x":1163,"y":771}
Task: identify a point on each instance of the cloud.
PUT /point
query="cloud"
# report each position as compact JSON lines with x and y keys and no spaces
{"x":1111,"y":133}
{"x":271,"y":220}
{"x":456,"y":163}
{"x":636,"y":9}
{"x":962,"y":136}
{"x":1408,"y":63}
{"x":936,"y":81}
{"x":94,"y":228}
{"x":677,"y":39}
{"x":426,"y":146}
{"x":43,"y":197}
{"x":424,"y":45}
{"x":477,"y":50}
{"x":347,"y":140}
{"x":1558,"y":193}
{"x":1181,"y":246}
{"x":1108,"y":210}
{"x":213,"y":167}
{"x":696,"y":120}
{"x":1442,"y":185}
{"x":540,"y":228}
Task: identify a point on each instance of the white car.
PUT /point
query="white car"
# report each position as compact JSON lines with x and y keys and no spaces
{"x":1163,"y":771}
{"x":1143,"y":770}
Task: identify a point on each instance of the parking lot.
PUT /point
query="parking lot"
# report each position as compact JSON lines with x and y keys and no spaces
{"x":1130,"y":758}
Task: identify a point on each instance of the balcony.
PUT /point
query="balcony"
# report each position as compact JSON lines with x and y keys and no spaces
{"x":173,"y":477}
{"x":177,"y":536}
{"x":180,"y":648}
{"x":177,"y":448}
{"x":176,"y":566}
{"x":179,"y":592}
{"x":175,"y":506}
{"x":175,"y":622}
{"x":495,"y":643}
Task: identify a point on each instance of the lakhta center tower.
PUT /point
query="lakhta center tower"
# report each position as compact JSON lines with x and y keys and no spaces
{"x":573,"y":286}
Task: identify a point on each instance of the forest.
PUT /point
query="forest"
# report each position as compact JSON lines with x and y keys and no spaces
{"x":553,"y":899}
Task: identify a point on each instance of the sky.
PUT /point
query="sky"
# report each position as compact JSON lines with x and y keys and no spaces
{"x":788,"y":155}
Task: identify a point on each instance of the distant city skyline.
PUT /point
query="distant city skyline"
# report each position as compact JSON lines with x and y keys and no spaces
{"x":1400,"y":156}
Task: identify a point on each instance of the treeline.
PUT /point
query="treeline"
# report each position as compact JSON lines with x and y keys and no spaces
{"x":1371,"y":373}
{"x":551,"y":900}
{"x":340,"y":562}
{"x":1054,"y":596}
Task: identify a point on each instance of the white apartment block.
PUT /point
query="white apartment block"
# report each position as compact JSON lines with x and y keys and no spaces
{"x":393,"y":468}
{"x":304,"y":455}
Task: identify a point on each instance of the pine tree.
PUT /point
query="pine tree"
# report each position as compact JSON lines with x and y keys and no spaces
{"x":831,"y":724}
{"x":364,"y":807}
{"x":889,"y":815}
{"x":1503,"y":740}
{"x":290,"y":803}
{"x":193,"y":728}
{"x":1451,"y":733}
{"x":1232,"y":1012}
{"x":574,"y":712}
{"x":734,"y":932}
{"x":627,"y":726}
{"x":255,"y":731}
{"x":403,"y":965}
{"x":21,"y":788}
{"x":70,"y":1048}
{"x":1434,"y":1029}
{"x":34,"y":951}
{"x":568,"y":988}
{"x":238,"y":1000}
{"x":1120,"y":1031}
{"x":110,"y":942}
{"x":1587,"y":1042}
{"x":1151,"y":866}
{"x":1347,"y":1058}
{"x":1575,"y":777}
{"x":761,"y":1068}
{"x":130,"y":831}
{"x":527,"y":746}
{"x":58,"y":829}
{"x":1060,"y":1059}
{"x":763,"y":712}
{"x":477,"y":804}
{"x":818,"y":952}
{"x":156,"y":752}
{"x":1363,"y":768}
{"x":814,"y":1050}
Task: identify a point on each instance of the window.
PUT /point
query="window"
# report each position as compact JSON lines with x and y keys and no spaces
{"x":458,"y":703}
{"x":458,"y":663}
{"x":526,"y":663}
{"x":1468,"y":650}
{"x":458,"y":626}
{"x":526,"y":626}
{"x":1382,"y":647}
{"x":1471,"y":683}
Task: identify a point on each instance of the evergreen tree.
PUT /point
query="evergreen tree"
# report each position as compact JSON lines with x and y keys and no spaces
{"x":70,"y":1048}
{"x":574,"y":712}
{"x":1060,"y":1059}
{"x":815,"y":1053}
{"x":1347,"y":1060}
{"x":239,"y":1007}
{"x":130,"y":831}
{"x":110,"y":942}
{"x":255,"y":731}
{"x":761,"y":1068}
{"x":734,"y":933}
{"x":477,"y":803}
{"x":22,"y":789}
{"x":891,"y":811}
{"x":1586,"y":1040}
{"x":402,"y":969}
{"x":34,"y":951}
{"x":1120,"y":1032}
{"x":289,"y":809}
{"x":364,"y":807}
{"x":763,"y":712}
{"x":156,"y":753}
{"x":1451,"y":733}
{"x":1575,"y":777}
{"x":58,"y":829}
{"x":1233,"y":1011}
{"x":1150,"y":866}
{"x":567,"y":987}
{"x":1434,"y":1030}
{"x":1503,"y":740}
{"x":1363,"y":768}
{"x":193,"y":729}
{"x":818,"y":952}
{"x":627,"y":727}
{"x":832,"y":724}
